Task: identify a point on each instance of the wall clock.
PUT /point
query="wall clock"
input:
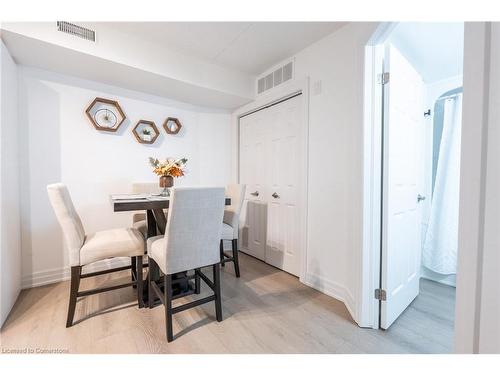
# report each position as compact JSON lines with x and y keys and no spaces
{"x":145,"y":132}
{"x":105,"y":114}
{"x":172,"y":125}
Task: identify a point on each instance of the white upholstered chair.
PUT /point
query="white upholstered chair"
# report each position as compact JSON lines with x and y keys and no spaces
{"x":85,"y":248}
{"x":191,"y":242}
{"x":231,"y":225}
{"x":139,"y":219}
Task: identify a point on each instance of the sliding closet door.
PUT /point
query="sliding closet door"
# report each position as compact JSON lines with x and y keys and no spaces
{"x":271,"y":164}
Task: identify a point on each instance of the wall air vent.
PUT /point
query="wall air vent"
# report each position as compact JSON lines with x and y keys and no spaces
{"x":79,"y":31}
{"x":275,"y":77}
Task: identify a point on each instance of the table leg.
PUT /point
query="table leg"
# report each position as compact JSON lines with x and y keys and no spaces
{"x":151,"y":221}
{"x":161,"y":220}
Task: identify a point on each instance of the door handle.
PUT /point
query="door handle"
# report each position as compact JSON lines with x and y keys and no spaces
{"x":274,"y":195}
{"x":420,"y":198}
{"x":255,"y":193}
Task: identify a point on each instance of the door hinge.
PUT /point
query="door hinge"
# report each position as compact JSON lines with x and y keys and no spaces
{"x":380,"y":294}
{"x":383,"y":78}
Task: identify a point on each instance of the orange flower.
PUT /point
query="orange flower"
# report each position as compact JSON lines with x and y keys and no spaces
{"x":168,"y":167}
{"x":176,"y":172}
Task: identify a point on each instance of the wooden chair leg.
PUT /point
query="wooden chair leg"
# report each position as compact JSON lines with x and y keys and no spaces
{"x":218,"y":298}
{"x":168,"y":307}
{"x":197,"y":281}
{"x":235,"y":257}
{"x":221,"y":247}
{"x":133,"y":269}
{"x":140,"y":298}
{"x":76,"y":271}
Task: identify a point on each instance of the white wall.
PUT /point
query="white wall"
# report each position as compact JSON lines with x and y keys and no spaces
{"x":335,"y":188}
{"x":60,"y":144}
{"x":10,"y":235}
{"x":477,"y":324}
{"x":489,"y":309}
{"x":335,"y":184}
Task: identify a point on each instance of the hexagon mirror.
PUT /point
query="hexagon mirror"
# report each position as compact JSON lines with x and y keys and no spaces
{"x":172,"y":125}
{"x":105,"y":114}
{"x":146,"y":132}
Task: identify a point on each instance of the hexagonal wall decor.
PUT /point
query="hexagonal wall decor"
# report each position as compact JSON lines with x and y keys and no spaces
{"x":172,"y":125}
{"x":105,"y":114}
{"x":145,"y":132}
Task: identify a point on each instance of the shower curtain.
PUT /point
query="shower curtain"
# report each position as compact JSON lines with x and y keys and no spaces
{"x":441,"y":240}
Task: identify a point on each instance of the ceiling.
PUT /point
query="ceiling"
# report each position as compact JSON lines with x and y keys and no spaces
{"x":436,"y":50}
{"x":52,"y":57}
{"x":249,"y":47}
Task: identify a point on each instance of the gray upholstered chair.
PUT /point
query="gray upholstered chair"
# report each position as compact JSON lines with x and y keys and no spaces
{"x":139,"y":219}
{"x":231,"y":225}
{"x":85,"y":248}
{"x":191,"y":242}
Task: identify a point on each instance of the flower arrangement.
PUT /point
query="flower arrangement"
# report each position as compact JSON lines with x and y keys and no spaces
{"x":168,"y":167}
{"x":146,"y":131}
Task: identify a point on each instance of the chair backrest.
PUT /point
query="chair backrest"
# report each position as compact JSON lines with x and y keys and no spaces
{"x":145,"y":187}
{"x":232,"y":213}
{"x":70,"y":222}
{"x":193,"y":228}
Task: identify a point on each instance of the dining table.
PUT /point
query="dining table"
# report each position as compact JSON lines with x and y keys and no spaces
{"x":156,"y":220}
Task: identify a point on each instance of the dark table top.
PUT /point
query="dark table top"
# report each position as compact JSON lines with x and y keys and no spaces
{"x":120,"y":205}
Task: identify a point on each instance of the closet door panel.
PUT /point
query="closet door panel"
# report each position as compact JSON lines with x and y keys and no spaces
{"x":284,"y":208}
{"x":271,"y":166}
{"x":253,"y":218}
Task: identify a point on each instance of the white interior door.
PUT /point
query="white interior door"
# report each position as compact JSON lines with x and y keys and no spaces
{"x":271,"y":155}
{"x":253,"y":217}
{"x":283,"y":232}
{"x":401,"y":244}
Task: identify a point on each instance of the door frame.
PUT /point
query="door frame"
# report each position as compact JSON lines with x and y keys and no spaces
{"x":274,"y":96}
{"x":373,"y":159}
{"x":370,"y":277}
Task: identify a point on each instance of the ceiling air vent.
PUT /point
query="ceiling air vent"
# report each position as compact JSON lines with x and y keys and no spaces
{"x":79,"y":31}
{"x":261,"y":85}
{"x":276,"y":77}
{"x":287,"y":72}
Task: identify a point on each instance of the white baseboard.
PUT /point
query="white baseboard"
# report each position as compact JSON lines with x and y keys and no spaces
{"x":56,"y":275}
{"x":332,"y":289}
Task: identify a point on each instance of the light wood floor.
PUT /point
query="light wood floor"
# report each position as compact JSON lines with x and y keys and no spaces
{"x":265,"y":311}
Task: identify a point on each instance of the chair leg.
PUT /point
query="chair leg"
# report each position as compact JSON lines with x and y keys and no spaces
{"x":133,"y":269}
{"x":76,"y":271}
{"x":235,"y":257}
{"x":151,"y":280}
{"x":218,"y":298}
{"x":168,"y":307}
{"x":197,"y":281}
{"x":138,"y":277}
{"x":221,"y":248}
